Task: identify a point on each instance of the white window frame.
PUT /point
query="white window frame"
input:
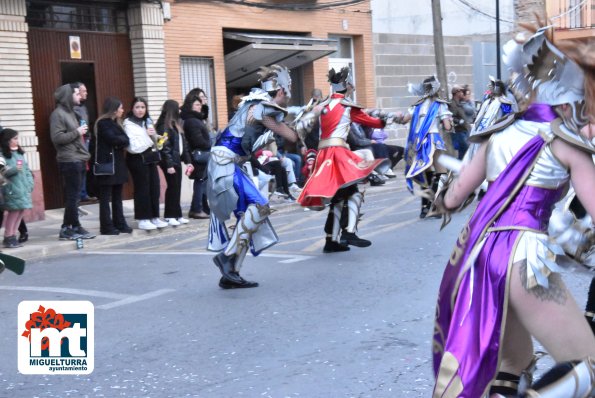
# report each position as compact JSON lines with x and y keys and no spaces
{"x":339,"y":63}
{"x":199,"y":72}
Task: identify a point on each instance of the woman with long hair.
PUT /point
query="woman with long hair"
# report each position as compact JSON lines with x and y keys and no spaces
{"x":142,"y":159}
{"x":173,"y":152}
{"x":17,"y":191}
{"x":110,"y":142}
{"x":195,"y":112}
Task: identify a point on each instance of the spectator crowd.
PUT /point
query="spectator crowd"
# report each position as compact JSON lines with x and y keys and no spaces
{"x":96,"y":158}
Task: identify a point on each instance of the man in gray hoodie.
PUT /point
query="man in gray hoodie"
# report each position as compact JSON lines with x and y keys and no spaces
{"x":72,"y":156}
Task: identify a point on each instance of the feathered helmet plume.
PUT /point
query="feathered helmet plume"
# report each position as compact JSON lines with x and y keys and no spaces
{"x":340,"y":80}
{"x":427,"y":88}
{"x":274,"y":77}
{"x":496,"y":86}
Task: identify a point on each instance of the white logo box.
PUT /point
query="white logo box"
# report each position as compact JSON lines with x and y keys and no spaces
{"x":45,"y":322}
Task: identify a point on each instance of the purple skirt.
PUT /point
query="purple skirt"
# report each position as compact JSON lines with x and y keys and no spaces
{"x":472,"y":301}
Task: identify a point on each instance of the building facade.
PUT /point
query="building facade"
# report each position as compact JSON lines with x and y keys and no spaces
{"x":404,"y":45}
{"x":224,"y":44}
{"x":161,"y":50}
{"x":572,"y":19}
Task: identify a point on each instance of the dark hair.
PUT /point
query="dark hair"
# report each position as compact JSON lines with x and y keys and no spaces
{"x":134,"y":101}
{"x":110,"y":106}
{"x":7,"y":135}
{"x":170,"y":115}
{"x":338,"y":77}
{"x":192,"y":96}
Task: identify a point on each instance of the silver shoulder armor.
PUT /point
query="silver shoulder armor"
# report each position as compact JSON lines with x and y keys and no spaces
{"x":498,"y":126}
{"x":305,"y":123}
{"x":562,"y":132}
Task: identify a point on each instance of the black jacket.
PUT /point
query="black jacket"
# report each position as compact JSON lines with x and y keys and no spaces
{"x":357,"y":137}
{"x":197,"y":136}
{"x":111,"y":141}
{"x":170,"y":153}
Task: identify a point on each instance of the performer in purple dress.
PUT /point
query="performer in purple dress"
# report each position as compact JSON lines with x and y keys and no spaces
{"x":501,"y":286}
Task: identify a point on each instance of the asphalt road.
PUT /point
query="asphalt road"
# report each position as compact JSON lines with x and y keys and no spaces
{"x":354,"y":324}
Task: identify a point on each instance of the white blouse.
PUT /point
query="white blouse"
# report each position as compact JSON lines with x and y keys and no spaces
{"x":138,"y":137}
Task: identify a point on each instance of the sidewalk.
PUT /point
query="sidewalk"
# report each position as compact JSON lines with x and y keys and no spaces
{"x":43,"y":235}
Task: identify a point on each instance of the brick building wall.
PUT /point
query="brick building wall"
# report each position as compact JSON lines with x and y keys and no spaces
{"x":402,"y":59}
{"x":196,"y":29}
{"x":525,"y":10}
{"x":16,"y":97}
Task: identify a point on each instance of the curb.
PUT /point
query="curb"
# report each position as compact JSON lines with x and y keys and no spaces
{"x":49,"y":246}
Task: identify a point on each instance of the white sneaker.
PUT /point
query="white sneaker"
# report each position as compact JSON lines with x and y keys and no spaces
{"x":182,"y":220}
{"x":159,"y":223}
{"x":147,"y":225}
{"x":390,"y":174}
{"x":294,"y":190}
{"x":172,"y":221}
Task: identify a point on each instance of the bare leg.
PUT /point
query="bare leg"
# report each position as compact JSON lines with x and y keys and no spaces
{"x":543,"y":311}
{"x":517,"y":346}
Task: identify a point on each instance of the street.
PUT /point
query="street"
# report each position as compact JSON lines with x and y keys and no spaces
{"x":354,"y":324}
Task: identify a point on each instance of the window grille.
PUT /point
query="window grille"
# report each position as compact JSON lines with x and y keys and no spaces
{"x":96,"y":17}
{"x":198,"y":72}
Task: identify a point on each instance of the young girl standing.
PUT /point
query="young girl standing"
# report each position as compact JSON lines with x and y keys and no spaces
{"x":17,"y":192}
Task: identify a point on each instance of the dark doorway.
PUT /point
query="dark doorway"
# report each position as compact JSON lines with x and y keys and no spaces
{"x":72,"y":72}
{"x":106,"y":70}
{"x":84,"y":72}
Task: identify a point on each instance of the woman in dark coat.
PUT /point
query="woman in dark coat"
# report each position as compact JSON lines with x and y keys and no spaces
{"x":111,"y":141}
{"x":195,"y":111}
{"x":173,"y":152}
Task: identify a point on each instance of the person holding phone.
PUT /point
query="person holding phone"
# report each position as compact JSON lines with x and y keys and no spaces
{"x":72,"y":156}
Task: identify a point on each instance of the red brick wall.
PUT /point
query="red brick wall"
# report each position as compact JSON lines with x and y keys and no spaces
{"x":196,"y":29}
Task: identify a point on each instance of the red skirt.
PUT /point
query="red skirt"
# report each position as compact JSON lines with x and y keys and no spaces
{"x":336,"y":167}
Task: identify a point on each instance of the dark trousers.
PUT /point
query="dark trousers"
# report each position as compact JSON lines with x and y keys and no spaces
{"x":71,"y":177}
{"x":342,"y":195}
{"x":172,"y":193}
{"x":274,"y":167}
{"x":107,"y":221}
{"x":145,"y":178}
{"x":199,"y":197}
{"x":459,"y":142}
{"x":392,"y":152}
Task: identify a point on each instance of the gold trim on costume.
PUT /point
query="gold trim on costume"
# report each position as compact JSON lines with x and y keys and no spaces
{"x":448,"y":382}
{"x":326,"y":163}
{"x":504,"y":312}
{"x":333,"y":141}
{"x":514,"y":228}
{"x":506,"y":383}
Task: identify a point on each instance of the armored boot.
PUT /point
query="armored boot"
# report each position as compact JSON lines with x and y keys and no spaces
{"x":573,"y":379}
{"x":332,"y":244}
{"x":225,"y":264}
{"x":348,"y":236}
{"x":505,"y":385}
{"x":230,"y":261}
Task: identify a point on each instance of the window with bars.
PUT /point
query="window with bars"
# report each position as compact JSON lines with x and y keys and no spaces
{"x":96,"y":17}
{"x":198,"y":72}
